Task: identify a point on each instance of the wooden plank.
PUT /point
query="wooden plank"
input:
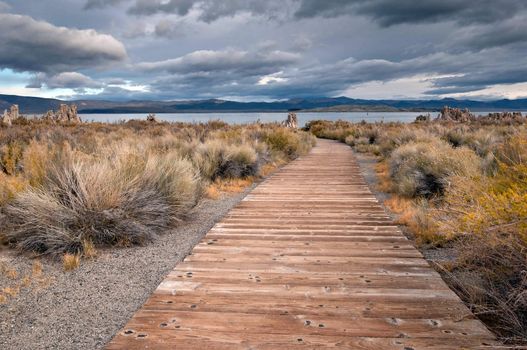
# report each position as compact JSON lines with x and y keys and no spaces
{"x":185,"y":339}
{"x":308,"y":260}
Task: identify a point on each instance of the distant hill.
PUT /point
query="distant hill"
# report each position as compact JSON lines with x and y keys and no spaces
{"x":36,"y":105}
{"x":29,"y":105}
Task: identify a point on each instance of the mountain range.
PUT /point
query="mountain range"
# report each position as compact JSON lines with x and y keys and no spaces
{"x":37,"y":105}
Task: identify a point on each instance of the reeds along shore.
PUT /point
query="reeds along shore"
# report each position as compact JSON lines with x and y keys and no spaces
{"x":68,"y":189}
{"x":461,"y":186}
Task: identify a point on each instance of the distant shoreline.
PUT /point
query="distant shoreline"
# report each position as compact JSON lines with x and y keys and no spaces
{"x":298,"y":111}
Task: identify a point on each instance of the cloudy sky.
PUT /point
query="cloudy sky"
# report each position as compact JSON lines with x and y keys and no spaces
{"x":263,"y":50}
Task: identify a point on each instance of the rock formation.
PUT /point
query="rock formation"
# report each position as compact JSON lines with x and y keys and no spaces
{"x":152,"y":118}
{"x":292,"y":121}
{"x":422,"y":118}
{"x":65,"y":114}
{"x":505,"y":117}
{"x":455,"y":114}
{"x":9,"y":116}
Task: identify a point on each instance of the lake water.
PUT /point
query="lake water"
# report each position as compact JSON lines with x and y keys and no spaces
{"x":243,"y":118}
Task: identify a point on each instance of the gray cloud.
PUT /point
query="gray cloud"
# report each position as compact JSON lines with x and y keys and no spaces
{"x":255,"y":63}
{"x":36,"y":46}
{"x":99,"y":4}
{"x":149,"y":7}
{"x":66,"y":80}
{"x":478,"y":80}
{"x":385,"y":12}
{"x":479,"y":37}
{"x":219,"y":79}
{"x":211,"y":10}
{"x":448,"y":73}
{"x":169,"y":29}
{"x":269,"y":49}
{"x":4,"y":7}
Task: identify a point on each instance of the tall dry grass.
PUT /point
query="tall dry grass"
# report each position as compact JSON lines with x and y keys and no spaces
{"x":424,"y":168}
{"x":65,"y":189}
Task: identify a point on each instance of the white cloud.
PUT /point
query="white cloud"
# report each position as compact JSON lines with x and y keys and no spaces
{"x":272,"y":78}
{"x":38,"y":46}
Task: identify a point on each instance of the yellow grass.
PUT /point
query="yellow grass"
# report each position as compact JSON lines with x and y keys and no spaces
{"x":88,"y":249}
{"x":71,"y":261}
{"x":12,"y":274}
{"x":26,"y":281}
{"x":268,"y":169}
{"x":36,"y":268}
{"x":215,"y":189}
{"x":10,"y":186}
{"x":18,"y":282}
{"x":383,"y":173}
{"x":212,"y":192}
{"x":411,"y":214}
{"x":8,"y":271}
{"x":11,"y":291}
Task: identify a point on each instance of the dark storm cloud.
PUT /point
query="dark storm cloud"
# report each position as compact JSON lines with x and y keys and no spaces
{"x":37,"y":46}
{"x":385,"y":12}
{"x":389,"y":12}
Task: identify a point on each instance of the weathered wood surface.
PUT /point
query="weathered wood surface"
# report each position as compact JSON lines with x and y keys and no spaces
{"x":308,"y":260}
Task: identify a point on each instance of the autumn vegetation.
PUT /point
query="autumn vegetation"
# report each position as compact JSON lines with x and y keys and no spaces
{"x":66,"y":190}
{"x":460,"y":187}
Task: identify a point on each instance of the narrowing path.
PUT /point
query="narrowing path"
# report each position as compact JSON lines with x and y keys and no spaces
{"x":308,"y":260}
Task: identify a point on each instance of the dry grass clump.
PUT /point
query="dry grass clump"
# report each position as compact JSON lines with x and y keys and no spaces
{"x":69,"y":189}
{"x":71,"y":261}
{"x":288,"y":143}
{"x":88,"y":249}
{"x":215,"y":159}
{"x":423,"y":168}
{"x":10,"y":186}
{"x":121,"y":199}
{"x":415,"y":215}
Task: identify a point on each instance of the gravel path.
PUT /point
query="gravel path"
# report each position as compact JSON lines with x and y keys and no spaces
{"x":83,"y":309}
{"x":367,"y":165}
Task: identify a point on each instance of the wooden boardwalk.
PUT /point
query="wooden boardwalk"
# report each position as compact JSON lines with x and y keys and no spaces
{"x":308,"y":260}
